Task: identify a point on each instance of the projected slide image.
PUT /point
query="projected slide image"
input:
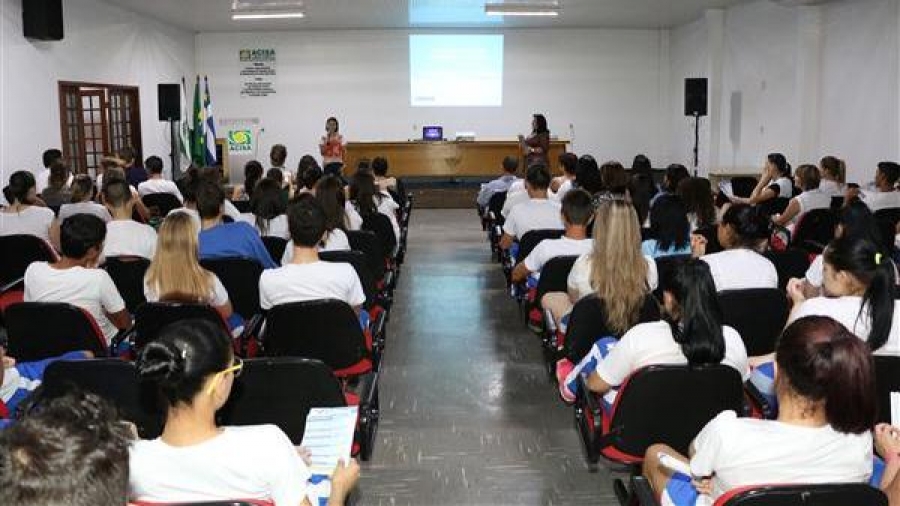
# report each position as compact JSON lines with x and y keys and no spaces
{"x":456,"y":70}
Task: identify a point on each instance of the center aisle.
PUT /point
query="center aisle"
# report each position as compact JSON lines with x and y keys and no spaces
{"x":468,"y":415}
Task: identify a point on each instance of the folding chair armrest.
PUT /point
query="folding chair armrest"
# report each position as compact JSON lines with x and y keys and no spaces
{"x":368,"y":386}
{"x":389,"y":279}
{"x":11,"y":285}
{"x":642,"y":491}
{"x":591,"y":404}
{"x":376,"y":326}
{"x":251,"y":330}
{"x":121,"y":337}
{"x":549,"y":321}
{"x":756,"y":396}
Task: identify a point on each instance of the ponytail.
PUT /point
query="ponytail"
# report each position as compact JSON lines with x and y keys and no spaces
{"x":750,"y":224}
{"x":780,"y":162}
{"x":699,"y":326}
{"x":821,"y":361}
{"x":20,"y":184}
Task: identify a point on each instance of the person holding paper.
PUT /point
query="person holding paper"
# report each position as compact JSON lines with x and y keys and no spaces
{"x":193,"y":367}
{"x":536,"y":147}
{"x":826,"y":393}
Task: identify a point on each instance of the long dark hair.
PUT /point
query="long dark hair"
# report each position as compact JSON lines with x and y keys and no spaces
{"x":872,"y":266}
{"x":267,"y":203}
{"x":781,"y":163}
{"x":182,"y":357}
{"x":696,"y":193}
{"x":698,"y":328}
{"x":20,"y":184}
{"x":253,"y":172}
{"x":587,"y":174}
{"x":330,"y":193}
{"x":820,"y":360}
{"x":364,"y":194}
{"x":669,"y":223}
{"x":540,"y":124}
{"x":858,"y":223}
{"x":750,"y":225}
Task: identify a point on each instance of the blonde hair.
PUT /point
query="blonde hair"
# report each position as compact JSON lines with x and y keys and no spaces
{"x":175,"y":273}
{"x":618,"y":269}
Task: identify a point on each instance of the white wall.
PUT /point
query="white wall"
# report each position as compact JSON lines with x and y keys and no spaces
{"x":608,"y":84}
{"x":102,"y":44}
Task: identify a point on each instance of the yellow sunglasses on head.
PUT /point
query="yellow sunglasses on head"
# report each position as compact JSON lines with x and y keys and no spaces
{"x":236,"y":369}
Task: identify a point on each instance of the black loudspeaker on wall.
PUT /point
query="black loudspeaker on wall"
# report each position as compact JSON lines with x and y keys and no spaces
{"x":42,"y":19}
{"x":695,"y":96}
{"x":169,"y":102}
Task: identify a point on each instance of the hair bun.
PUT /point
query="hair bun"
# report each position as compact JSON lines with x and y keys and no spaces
{"x":161,"y":362}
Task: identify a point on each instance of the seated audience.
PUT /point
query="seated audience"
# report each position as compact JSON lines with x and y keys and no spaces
{"x":696,"y":194}
{"x":267,"y":208}
{"x":134,"y":173}
{"x":536,"y":213}
{"x":833,"y":171}
{"x":58,"y":191}
{"x":19,"y":379}
{"x":825,"y":385}
{"x":885,"y":194}
{"x":75,"y":278}
{"x":193,"y":367}
{"x":587,"y":175}
{"x":157,"y":183}
{"x":115,"y":173}
{"x":106,"y":164}
{"x":308,"y":174}
{"x":642,"y":187}
{"x":675,"y":174}
{"x":175,"y":274}
{"x":330,"y":194}
{"x":501,"y":184}
{"x":380,"y":170}
{"x":307,"y":277}
{"x":774,"y":182}
{"x":807,"y":178}
{"x":42,"y":178}
{"x":743,"y":233}
{"x":278,"y":160}
{"x":613,"y":179}
{"x":577,"y":212}
{"x":226,"y":240}
{"x":692,"y":332}
{"x":124,"y":236}
{"x":669,"y":229}
{"x":561,"y":185}
{"x":253,"y":172}
{"x":366,"y":199}
{"x":83,"y":200}
{"x":25,"y":213}
{"x":69,"y":450}
{"x":193,"y":179}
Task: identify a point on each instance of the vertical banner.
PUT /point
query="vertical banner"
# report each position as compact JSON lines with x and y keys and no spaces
{"x":241,"y":139}
{"x":257,"y":72}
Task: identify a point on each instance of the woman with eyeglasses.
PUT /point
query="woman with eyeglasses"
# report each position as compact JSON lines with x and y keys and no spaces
{"x":193,"y":367}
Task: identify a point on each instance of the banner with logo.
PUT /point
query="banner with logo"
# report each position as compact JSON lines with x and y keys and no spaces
{"x":257,"y":72}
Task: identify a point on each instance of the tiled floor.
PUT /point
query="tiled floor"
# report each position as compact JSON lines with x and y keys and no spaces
{"x":468,"y":413}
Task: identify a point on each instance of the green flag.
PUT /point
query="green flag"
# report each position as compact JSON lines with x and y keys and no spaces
{"x":198,"y":137}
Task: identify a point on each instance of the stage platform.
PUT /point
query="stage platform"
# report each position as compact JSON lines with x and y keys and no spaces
{"x":444,"y":192}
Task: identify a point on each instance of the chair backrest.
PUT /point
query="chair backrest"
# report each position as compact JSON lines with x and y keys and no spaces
{"x":495,"y":205}
{"x":365,"y":242}
{"x":757,"y":314}
{"x":670,"y":404}
{"x":665,"y":266}
{"x":837,"y":202}
{"x":275,"y":245}
{"x":384,"y":232}
{"x":128,"y":275}
{"x":790,"y":263}
{"x":151,"y":317}
{"x":555,"y":275}
{"x":887,"y":224}
{"x":160,"y":204}
{"x":531,"y":239}
{"x":281,"y":391}
{"x":774,"y":206}
{"x":711,"y":234}
{"x":18,"y":251}
{"x":240,"y":276}
{"x":887,"y":380}
{"x":742,"y":186}
{"x":358,"y":260}
{"x":243,"y":206}
{"x":115,"y":380}
{"x":843,"y":494}
{"x":39,"y":330}
{"x":326,"y":330}
{"x":815,"y":226}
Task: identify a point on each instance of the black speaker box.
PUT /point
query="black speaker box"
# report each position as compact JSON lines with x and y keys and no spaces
{"x":695,"y":96}
{"x":169,"y":96}
{"x":42,"y":19}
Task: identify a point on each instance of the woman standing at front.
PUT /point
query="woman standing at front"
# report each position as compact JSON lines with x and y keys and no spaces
{"x":536,"y":147}
{"x":331,"y":146}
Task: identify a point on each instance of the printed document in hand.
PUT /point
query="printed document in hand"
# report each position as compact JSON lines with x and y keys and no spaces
{"x":329,"y":437}
{"x":725,"y":187}
{"x":895,"y":409}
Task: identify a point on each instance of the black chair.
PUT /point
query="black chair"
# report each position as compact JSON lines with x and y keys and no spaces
{"x":275,"y":245}
{"x":17,"y":252}
{"x":128,"y":275}
{"x":757,"y":314}
{"x":365,"y":242}
{"x":814,"y":230}
{"x":358,"y":260}
{"x":160,"y":204}
{"x":243,"y":206}
{"x":39,"y":330}
{"x":115,"y":380}
{"x":531,"y":239}
{"x":774,"y":206}
{"x":790,"y":263}
{"x":666,"y":404}
{"x":240,"y":277}
{"x":384,"y":232}
{"x":887,"y":224}
{"x":743,"y":186}
{"x":495,"y":207}
{"x":837,"y":202}
{"x":887,"y":380}
{"x":554,"y":276}
{"x":587,"y":323}
{"x":151,"y":317}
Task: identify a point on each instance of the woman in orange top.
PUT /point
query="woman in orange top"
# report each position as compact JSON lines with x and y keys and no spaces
{"x":331,"y":146}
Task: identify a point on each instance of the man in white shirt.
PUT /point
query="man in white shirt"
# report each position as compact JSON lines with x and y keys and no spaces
{"x":538,"y":212}
{"x":42,"y":178}
{"x":577,"y":211}
{"x":75,"y":278}
{"x":157,"y":183}
{"x":885,"y":195}
{"x":306,"y":277}
{"x":124,"y":236}
{"x":501,"y":184}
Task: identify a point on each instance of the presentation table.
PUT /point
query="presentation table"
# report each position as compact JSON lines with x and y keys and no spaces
{"x":443,"y":158}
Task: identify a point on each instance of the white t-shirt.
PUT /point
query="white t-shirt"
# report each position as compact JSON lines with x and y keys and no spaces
{"x":517,"y":186}
{"x":877,"y":200}
{"x":785,"y":187}
{"x":815,"y":275}
{"x":250,"y":462}
{"x":388,"y":207}
{"x":813,"y":199}
{"x":336,"y":240}
{"x":579,"y":280}
{"x":561,"y":192}
{"x":129,"y":238}
{"x":533,"y":214}
{"x":846,"y":310}
{"x":513,"y":199}
{"x":32,"y":220}
{"x":353,"y":219}
{"x":195,"y":216}
{"x":277,"y":226}
{"x":832,"y":188}
{"x":217,"y":297}
{"x":154,"y":185}
{"x":740,"y":269}
{"x":653,"y":344}
{"x":90,"y":289}
{"x":551,"y":248}
{"x":94,"y":208}
{"x":746,"y":451}
{"x":312,"y":281}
